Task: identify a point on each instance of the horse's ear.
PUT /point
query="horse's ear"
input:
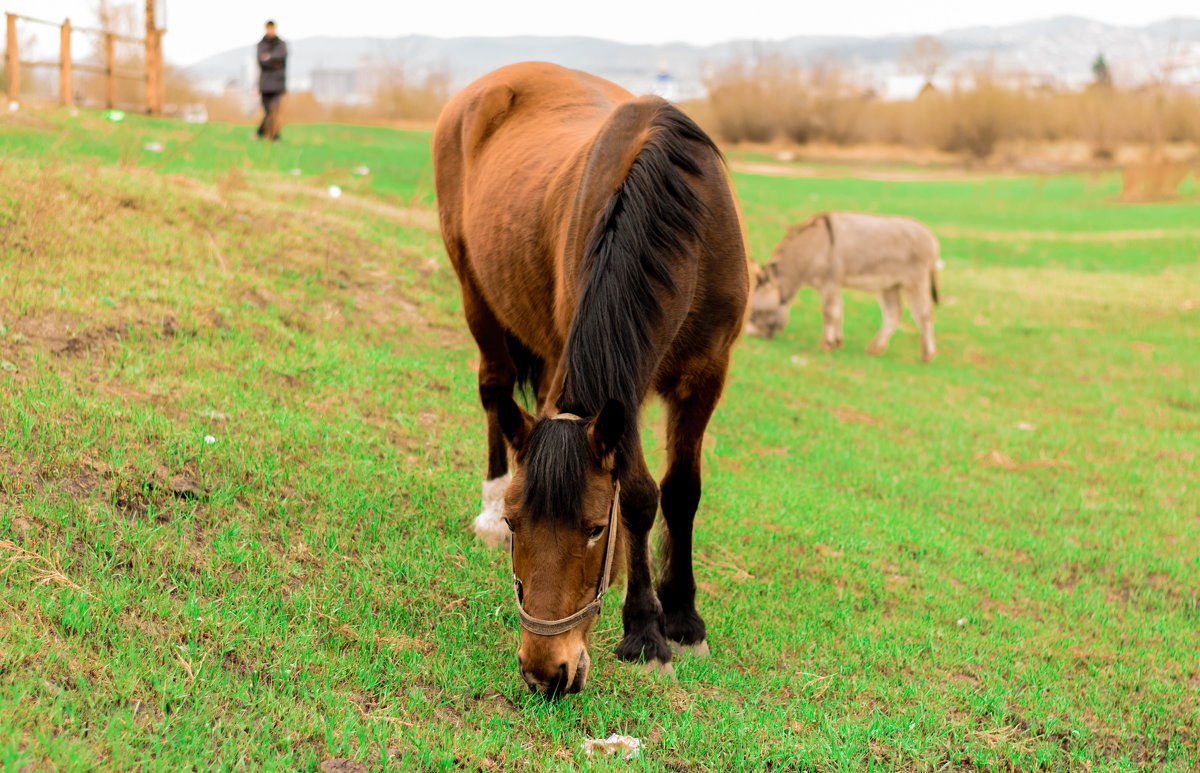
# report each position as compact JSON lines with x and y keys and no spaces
{"x":605,"y":431}
{"x":515,"y":423}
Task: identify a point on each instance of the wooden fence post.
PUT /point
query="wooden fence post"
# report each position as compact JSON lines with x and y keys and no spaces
{"x":14,"y":61}
{"x":110,"y":65}
{"x":65,"y":95}
{"x":162,"y":72}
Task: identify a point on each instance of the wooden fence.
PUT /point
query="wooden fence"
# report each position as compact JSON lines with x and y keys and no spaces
{"x":151,"y":74}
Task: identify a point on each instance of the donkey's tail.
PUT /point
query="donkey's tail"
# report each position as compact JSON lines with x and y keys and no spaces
{"x":933,"y":270}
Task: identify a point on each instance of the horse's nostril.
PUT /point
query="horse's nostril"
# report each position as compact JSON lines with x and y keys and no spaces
{"x":558,"y":685}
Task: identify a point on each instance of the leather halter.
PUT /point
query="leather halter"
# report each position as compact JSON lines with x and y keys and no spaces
{"x":563,"y":624}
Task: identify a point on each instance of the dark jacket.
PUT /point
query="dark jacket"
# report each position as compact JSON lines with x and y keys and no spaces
{"x":272,"y":61}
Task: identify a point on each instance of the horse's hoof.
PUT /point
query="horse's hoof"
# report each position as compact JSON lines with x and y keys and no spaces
{"x":657,"y":667}
{"x":698,"y":649}
{"x":489,"y":524}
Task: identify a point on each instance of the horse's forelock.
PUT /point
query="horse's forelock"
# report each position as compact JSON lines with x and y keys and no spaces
{"x":556,"y":462}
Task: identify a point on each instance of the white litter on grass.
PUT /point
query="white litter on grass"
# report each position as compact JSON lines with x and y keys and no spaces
{"x":209,"y":440}
{"x":961,"y":621}
{"x":361,"y":170}
{"x":624,"y":746}
{"x":154,"y":147}
{"x":14,"y":107}
{"x":335,"y":192}
{"x":295,"y":172}
{"x":798,"y":360}
{"x":941,"y":265}
{"x":1026,"y":426}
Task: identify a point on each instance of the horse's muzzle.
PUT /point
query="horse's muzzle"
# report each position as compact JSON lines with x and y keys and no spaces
{"x":557,"y":681}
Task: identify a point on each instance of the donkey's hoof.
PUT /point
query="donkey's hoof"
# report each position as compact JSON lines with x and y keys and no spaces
{"x":657,"y":668}
{"x":698,"y":649}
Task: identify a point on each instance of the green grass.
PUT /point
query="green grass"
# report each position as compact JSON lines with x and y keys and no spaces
{"x":894,"y":574}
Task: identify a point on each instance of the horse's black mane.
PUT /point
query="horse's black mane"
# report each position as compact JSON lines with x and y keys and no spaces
{"x":609,"y":352}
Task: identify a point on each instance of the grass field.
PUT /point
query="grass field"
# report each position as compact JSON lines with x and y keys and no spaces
{"x":240,"y":451}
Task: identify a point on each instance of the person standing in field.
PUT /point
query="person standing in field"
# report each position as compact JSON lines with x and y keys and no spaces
{"x":272,"y":80}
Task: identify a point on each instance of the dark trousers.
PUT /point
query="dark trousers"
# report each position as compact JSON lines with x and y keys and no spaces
{"x":269,"y":127}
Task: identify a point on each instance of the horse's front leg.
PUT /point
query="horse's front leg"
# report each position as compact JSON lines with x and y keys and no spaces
{"x":497,"y":376}
{"x":688,"y":413}
{"x":642,"y":615}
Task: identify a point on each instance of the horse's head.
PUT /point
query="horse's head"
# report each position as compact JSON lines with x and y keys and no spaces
{"x":562,"y":508}
{"x":768,"y":312}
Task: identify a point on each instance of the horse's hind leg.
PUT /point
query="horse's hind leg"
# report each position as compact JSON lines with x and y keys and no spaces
{"x":497,"y":376}
{"x":690,"y":404}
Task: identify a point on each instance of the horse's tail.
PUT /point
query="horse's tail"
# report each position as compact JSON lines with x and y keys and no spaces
{"x":637,"y":193}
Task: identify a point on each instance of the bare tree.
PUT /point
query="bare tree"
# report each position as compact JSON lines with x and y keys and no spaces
{"x":925,"y":57}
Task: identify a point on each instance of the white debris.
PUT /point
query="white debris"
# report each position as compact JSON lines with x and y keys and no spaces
{"x":361,"y":171}
{"x":335,"y":192}
{"x":295,"y":172}
{"x":14,"y":106}
{"x":1025,"y":426}
{"x":624,"y":746}
{"x":961,"y":621}
{"x":154,"y":147}
{"x":798,"y":360}
{"x":209,"y":440}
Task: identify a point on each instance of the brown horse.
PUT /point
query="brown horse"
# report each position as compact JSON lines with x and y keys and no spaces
{"x":600,"y":255}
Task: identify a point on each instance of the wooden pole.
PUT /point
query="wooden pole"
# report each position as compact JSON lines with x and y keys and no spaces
{"x":110,"y":64}
{"x":153,"y":73}
{"x":65,"y":96}
{"x":14,"y":61}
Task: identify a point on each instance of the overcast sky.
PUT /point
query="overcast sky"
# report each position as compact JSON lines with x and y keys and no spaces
{"x":198,"y":28}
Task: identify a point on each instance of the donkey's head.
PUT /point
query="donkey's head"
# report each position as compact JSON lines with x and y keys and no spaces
{"x":768,"y":311}
{"x":563,"y":509}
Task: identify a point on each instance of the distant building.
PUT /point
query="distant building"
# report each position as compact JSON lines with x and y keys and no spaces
{"x":353,"y":86}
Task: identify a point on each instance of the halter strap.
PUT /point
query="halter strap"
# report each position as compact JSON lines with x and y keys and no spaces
{"x":562,"y":625}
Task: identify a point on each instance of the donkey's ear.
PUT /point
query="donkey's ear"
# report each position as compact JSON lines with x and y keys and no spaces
{"x":605,"y":431}
{"x":515,"y":423}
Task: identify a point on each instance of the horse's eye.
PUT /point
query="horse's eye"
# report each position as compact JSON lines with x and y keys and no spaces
{"x":508,"y":523}
{"x":595,"y":532}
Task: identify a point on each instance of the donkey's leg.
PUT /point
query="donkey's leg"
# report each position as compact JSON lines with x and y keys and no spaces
{"x":889,"y":304}
{"x":920,"y":305}
{"x":689,"y":407}
{"x":831,"y":311}
{"x":497,"y":375}
{"x":642,"y":616}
